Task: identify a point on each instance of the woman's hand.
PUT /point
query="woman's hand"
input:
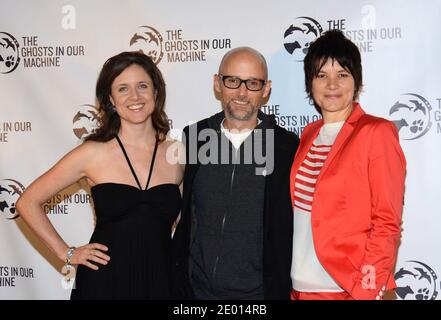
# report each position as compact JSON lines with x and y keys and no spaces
{"x":90,"y":252}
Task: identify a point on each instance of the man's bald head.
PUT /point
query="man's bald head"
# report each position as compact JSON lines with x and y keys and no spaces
{"x":244,"y":53}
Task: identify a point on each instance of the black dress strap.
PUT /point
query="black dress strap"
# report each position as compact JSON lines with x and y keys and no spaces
{"x":128,"y":161}
{"x":152,"y":163}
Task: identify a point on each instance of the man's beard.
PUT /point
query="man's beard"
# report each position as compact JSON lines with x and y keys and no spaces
{"x":242,"y":115}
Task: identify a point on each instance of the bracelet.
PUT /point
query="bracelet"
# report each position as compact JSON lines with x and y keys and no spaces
{"x":70,"y":252}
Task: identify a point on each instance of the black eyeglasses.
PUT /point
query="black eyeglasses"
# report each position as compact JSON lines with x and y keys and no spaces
{"x":232,"y":82}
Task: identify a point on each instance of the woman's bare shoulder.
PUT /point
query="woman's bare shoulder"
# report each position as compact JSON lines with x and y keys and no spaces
{"x":90,"y":152}
{"x":94,"y":147}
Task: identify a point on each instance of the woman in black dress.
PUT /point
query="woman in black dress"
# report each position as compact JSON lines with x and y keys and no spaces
{"x":134,"y":188}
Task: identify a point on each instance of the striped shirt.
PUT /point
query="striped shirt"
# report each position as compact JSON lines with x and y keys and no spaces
{"x":307,"y":273}
{"x":306,"y":177}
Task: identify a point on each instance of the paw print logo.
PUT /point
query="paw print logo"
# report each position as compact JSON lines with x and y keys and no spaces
{"x":148,"y":39}
{"x":9,"y":50}
{"x":85,"y":121}
{"x":417,"y":126}
{"x":9,"y":61}
{"x":299,"y":36}
{"x":416,"y":281}
{"x":411,"y":114}
{"x":422,"y":294}
{"x":10,"y":191}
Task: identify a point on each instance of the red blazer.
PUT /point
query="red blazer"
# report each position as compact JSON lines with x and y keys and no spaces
{"x":357,"y":205}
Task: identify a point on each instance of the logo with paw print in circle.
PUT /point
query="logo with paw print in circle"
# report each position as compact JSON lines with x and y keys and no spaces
{"x":299,"y":36}
{"x":411,"y":114}
{"x":148,"y":40}
{"x":9,"y":58}
{"x":85,"y":121}
{"x":416,"y":281}
{"x":10,"y":191}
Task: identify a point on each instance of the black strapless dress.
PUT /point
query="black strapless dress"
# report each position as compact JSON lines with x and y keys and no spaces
{"x":135,"y":224}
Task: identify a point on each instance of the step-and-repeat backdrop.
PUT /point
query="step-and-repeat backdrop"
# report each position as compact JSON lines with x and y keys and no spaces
{"x":51,"y":53}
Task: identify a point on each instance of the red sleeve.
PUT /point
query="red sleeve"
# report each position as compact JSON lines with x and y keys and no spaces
{"x":387,"y":169}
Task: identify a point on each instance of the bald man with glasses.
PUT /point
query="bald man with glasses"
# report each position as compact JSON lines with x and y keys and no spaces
{"x":234,"y":238}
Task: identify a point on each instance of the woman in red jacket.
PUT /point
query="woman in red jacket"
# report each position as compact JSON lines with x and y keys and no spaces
{"x":347,"y":184}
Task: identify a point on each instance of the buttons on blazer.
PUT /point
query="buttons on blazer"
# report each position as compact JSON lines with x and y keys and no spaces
{"x":381,"y":293}
{"x":316,"y":223}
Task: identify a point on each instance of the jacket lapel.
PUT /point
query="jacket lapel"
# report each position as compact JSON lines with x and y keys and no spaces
{"x":342,"y":137}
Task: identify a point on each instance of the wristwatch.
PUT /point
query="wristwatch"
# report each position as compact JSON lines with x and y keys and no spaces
{"x":69,"y":255}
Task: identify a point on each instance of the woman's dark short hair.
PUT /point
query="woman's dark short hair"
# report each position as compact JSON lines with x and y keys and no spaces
{"x":110,"y":122}
{"x":334,"y":45}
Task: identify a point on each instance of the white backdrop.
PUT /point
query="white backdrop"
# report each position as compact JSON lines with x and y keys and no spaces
{"x":51,"y":53}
